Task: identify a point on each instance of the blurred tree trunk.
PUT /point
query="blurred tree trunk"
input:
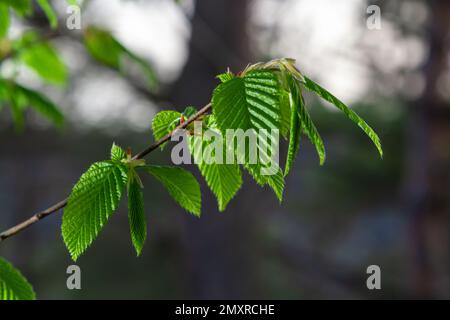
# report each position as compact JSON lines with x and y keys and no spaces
{"x":429,"y":177}
{"x":215,"y":259}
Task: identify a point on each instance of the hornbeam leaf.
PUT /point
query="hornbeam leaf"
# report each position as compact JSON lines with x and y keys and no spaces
{"x":250,"y":102}
{"x":309,"y":127}
{"x":180,"y":184}
{"x":352,"y":115}
{"x":296,"y":127}
{"x":117,"y":153}
{"x":93,"y":200}
{"x":163,"y":123}
{"x":224,"y":180}
{"x":13,"y":285}
{"x":136,"y":214}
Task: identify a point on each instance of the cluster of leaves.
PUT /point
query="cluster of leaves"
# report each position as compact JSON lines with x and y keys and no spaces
{"x":264,"y":96}
{"x":35,"y":51}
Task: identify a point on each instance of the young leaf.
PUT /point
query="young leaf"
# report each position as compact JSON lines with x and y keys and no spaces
{"x":352,"y":115}
{"x":275,"y":181}
{"x":13,"y":285}
{"x":296,"y":128}
{"x":224,"y":180}
{"x":4,"y":20}
{"x":117,"y":153}
{"x":180,"y":184}
{"x":136,"y":214}
{"x":164,"y":122}
{"x":49,"y":12}
{"x":45,"y":61}
{"x":308,"y":125}
{"x":285,"y":113}
{"x":92,"y":201}
{"x":249,"y":102}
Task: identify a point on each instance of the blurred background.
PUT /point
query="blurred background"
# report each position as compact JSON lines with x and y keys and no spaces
{"x":336,"y":220}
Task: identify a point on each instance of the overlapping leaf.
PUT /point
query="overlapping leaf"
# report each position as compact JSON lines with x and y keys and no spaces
{"x":136,"y":214}
{"x":13,"y":285}
{"x":296,"y":127}
{"x":224,"y":180}
{"x":92,"y":201}
{"x":251,"y":102}
{"x":180,"y":184}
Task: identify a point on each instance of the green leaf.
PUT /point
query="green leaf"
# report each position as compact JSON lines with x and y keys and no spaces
{"x":251,"y":102}
{"x":117,"y":153}
{"x":22,"y":7}
{"x":308,"y":125}
{"x":13,"y":285}
{"x":106,"y":49}
{"x":285,"y":113}
{"x":93,"y":200}
{"x":44,"y":60}
{"x":163,"y":123}
{"x":224,"y":180}
{"x":352,"y":115}
{"x":49,"y":12}
{"x":4,"y":20}
{"x":224,"y":77}
{"x":136,"y":214}
{"x":180,"y":184}
{"x":296,"y":128}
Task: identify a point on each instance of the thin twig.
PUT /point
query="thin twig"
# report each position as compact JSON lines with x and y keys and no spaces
{"x":56,"y":207}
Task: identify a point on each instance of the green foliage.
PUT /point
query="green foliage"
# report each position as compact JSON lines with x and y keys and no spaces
{"x":105,"y":48}
{"x":20,"y":98}
{"x":136,"y":214}
{"x":264,"y":96}
{"x":180,"y":184}
{"x":92,"y":201}
{"x":13,"y":285}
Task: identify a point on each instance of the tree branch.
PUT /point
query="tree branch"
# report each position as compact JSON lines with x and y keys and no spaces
{"x":56,"y":207}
